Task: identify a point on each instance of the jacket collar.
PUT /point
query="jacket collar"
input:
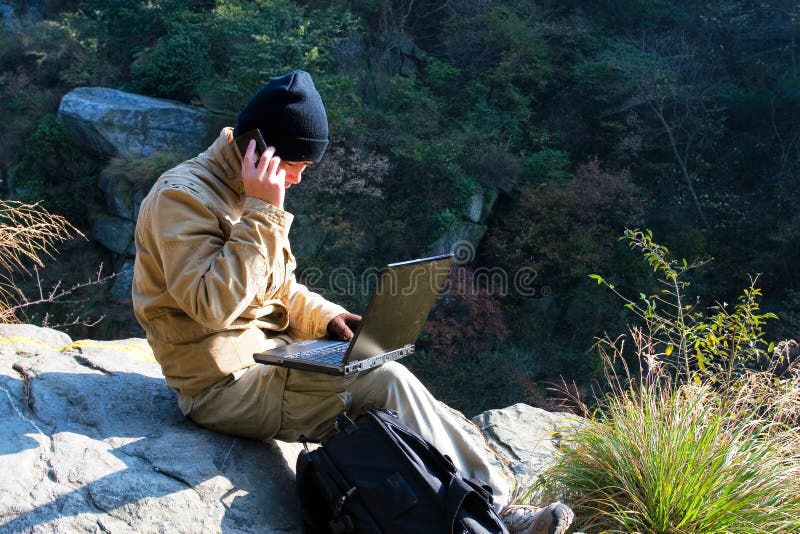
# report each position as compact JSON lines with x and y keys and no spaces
{"x":223,"y":157}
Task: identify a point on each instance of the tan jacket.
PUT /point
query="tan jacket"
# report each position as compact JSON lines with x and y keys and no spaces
{"x":214,"y":274}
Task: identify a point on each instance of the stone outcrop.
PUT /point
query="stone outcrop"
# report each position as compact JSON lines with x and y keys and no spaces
{"x":92,"y":441}
{"x":114,"y":122}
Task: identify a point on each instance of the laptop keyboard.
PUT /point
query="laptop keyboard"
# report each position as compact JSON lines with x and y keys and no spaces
{"x":330,"y":355}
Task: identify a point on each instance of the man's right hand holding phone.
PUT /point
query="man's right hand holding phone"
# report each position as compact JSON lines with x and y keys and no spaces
{"x":264,"y":179}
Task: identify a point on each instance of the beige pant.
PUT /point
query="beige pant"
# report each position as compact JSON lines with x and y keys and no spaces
{"x":266,"y":402}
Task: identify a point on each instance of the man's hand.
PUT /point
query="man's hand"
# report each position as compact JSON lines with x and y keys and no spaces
{"x":266,"y":181}
{"x":342,"y":326}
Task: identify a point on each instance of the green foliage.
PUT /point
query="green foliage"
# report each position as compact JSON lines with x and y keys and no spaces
{"x":718,"y":345}
{"x":548,"y":166}
{"x":179,"y":63}
{"x":57,"y":172}
{"x":427,"y":101}
{"x":703,"y":437}
{"x":254,"y":41}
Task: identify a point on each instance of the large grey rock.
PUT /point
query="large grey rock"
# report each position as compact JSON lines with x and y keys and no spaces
{"x":114,"y":233}
{"x":114,"y":122}
{"x":119,"y":196}
{"x":92,"y":441}
{"x":528,"y":437}
{"x":6,"y":12}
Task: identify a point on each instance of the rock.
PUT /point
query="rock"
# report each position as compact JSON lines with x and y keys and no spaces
{"x":92,"y":441}
{"x":475,"y":209}
{"x":119,"y":198}
{"x":113,"y":122}
{"x":123,"y":283}
{"x":114,"y":233}
{"x":6,"y":12}
{"x":528,"y":437}
{"x":461,"y":240}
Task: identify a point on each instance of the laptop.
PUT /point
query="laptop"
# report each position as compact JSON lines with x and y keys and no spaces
{"x":397,"y":310}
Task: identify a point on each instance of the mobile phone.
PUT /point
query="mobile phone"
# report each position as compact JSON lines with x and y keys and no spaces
{"x":243,"y":140}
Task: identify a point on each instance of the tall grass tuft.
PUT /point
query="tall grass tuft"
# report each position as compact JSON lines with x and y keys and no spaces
{"x":677,"y":460}
{"x":704,"y":435}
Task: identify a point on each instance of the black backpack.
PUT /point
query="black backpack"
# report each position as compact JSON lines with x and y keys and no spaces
{"x":375,"y":475}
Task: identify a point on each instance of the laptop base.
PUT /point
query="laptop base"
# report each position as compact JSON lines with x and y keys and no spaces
{"x":286,"y":360}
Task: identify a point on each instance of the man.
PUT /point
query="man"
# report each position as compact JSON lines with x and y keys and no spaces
{"x":214,"y":283}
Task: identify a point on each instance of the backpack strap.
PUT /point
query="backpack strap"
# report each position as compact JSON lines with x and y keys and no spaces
{"x":458,"y":491}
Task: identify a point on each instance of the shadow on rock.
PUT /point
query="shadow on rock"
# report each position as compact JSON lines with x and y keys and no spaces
{"x":111,"y":449}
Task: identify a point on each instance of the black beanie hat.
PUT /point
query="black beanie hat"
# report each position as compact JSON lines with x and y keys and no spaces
{"x":289,"y":113}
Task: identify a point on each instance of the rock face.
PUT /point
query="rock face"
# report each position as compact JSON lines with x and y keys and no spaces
{"x":113,"y":122}
{"x":92,"y":441}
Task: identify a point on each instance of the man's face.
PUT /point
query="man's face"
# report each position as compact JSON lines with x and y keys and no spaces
{"x":294,"y":171}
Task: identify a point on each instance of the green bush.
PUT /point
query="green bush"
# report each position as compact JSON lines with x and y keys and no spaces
{"x":178,"y":65}
{"x":702,"y":435}
{"x":549,"y":166}
{"x":54,"y":170}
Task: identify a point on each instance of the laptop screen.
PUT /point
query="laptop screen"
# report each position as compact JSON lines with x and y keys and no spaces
{"x":399,"y":307}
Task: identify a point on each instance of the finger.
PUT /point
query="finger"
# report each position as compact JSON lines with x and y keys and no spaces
{"x":274,"y":167}
{"x":353,"y":321}
{"x":347,"y":334}
{"x":264,"y":161}
{"x":251,"y":148}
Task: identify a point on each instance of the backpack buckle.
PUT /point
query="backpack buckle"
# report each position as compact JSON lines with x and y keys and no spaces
{"x":344,"y":424}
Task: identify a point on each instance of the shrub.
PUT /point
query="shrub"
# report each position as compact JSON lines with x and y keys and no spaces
{"x":58,"y":173}
{"x":702,"y":436}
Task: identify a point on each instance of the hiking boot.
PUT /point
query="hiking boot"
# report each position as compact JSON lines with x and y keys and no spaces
{"x":526,"y":519}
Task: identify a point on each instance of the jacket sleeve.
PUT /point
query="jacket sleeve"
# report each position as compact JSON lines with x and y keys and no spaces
{"x":213,"y":279}
{"x":309,"y":312}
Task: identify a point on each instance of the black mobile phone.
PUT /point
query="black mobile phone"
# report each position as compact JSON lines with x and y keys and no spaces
{"x":243,"y":140}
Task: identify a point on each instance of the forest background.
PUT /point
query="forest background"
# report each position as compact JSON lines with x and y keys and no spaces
{"x":575,"y":120}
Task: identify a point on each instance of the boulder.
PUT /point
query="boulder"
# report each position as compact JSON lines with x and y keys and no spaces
{"x":528,"y":437}
{"x":123,"y":283}
{"x":6,"y":12}
{"x":119,"y":197}
{"x":113,"y":122}
{"x":92,"y":440}
{"x":474,"y":210}
{"x":115,"y":233}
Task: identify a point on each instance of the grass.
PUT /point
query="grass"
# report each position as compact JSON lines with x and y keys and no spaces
{"x":704,"y":436}
{"x":663,"y":459}
{"x":27,"y":232}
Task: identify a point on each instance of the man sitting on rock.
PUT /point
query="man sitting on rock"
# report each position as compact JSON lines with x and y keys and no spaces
{"x":214,"y":282}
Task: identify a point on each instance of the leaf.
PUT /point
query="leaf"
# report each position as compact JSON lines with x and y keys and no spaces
{"x":669,"y":350}
{"x":596,"y":277}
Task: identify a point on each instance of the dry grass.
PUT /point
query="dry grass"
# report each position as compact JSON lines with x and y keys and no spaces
{"x":28,"y":233}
